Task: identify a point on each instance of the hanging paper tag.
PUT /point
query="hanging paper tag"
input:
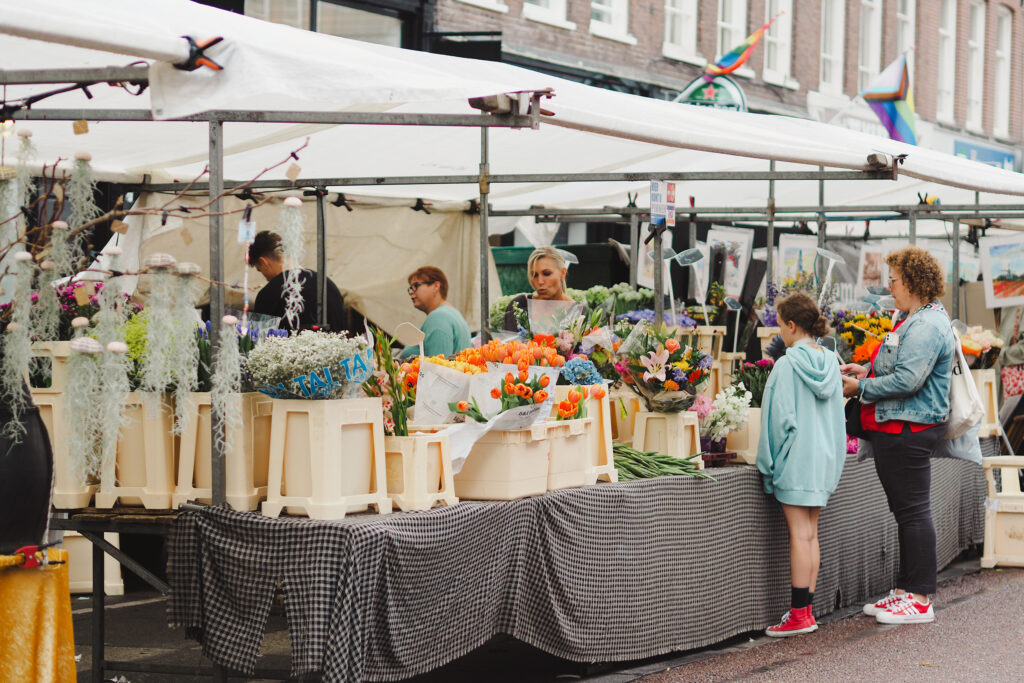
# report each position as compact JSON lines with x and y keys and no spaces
{"x":119,"y":227}
{"x":246,"y":231}
{"x":83,"y":293}
{"x":186,"y":236}
{"x":293,"y":172}
{"x":81,"y":127}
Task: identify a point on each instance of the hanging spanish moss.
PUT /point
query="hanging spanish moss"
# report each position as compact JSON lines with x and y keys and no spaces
{"x":184,"y":352}
{"x":83,"y":397}
{"x":22,"y":174}
{"x":156,"y":369}
{"x":46,"y":310}
{"x":226,"y":399}
{"x":81,"y":192}
{"x":114,"y":388}
{"x":292,"y":250}
{"x":17,"y":348}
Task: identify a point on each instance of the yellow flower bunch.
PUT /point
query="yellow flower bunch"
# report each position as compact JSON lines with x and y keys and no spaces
{"x":466,"y":368}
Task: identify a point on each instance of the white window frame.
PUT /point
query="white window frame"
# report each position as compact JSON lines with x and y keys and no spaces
{"x":552,"y":13}
{"x":266,"y":12}
{"x":1001,"y":97}
{"x":975,"y":67}
{"x":869,"y":48}
{"x":945,"y":92}
{"x":833,"y":46}
{"x":736,"y":31}
{"x":492,"y":5}
{"x":906,"y":31}
{"x":779,"y":36}
{"x":685,"y":18}
{"x":618,"y":28}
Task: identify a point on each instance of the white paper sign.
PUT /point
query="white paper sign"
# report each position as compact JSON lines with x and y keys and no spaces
{"x":436,"y":388}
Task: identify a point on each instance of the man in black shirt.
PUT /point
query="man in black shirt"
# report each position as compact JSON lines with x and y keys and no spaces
{"x":265,"y":256}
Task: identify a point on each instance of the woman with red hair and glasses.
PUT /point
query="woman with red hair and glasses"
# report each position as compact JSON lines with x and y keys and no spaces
{"x":445,"y":330}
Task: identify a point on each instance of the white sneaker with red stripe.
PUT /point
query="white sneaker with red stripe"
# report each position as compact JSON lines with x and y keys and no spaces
{"x":907,"y":611}
{"x":885,"y":603}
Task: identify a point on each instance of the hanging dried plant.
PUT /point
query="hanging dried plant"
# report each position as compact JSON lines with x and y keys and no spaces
{"x":82,"y":399}
{"x":82,"y":191}
{"x":226,"y":383}
{"x":114,"y":388}
{"x":157,"y":375}
{"x":183,"y":360}
{"x":292,"y":250}
{"x":46,"y":312}
{"x":17,"y":348}
{"x":22,"y":174}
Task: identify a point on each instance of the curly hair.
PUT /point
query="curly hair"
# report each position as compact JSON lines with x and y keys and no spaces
{"x":803,"y":310}
{"x":920,"y":272}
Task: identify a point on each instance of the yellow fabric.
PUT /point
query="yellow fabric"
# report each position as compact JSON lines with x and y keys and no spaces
{"x":36,"y":638}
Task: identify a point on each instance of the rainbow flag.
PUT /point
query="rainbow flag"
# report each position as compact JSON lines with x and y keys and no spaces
{"x":892,"y":100}
{"x":733,"y":60}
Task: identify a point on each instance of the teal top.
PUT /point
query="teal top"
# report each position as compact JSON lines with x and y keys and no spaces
{"x":803,"y":428}
{"x":446,"y":333}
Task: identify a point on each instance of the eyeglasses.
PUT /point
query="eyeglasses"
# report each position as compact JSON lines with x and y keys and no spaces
{"x":413,"y":286}
{"x":892,"y":280}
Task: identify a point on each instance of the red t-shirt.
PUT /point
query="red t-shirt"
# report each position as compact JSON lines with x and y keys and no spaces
{"x":867,"y":410}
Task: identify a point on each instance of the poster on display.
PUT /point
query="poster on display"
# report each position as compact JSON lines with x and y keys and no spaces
{"x":1002,"y":267}
{"x":738,"y":244}
{"x":871,"y":267}
{"x":797,"y":254}
{"x":645,"y":266}
{"x":663,"y":203}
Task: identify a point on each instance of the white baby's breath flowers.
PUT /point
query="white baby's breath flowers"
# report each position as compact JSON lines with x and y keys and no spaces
{"x":281,"y":359}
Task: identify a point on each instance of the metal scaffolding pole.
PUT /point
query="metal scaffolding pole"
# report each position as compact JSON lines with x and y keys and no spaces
{"x":217,"y":471}
{"x":485,"y":189}
{"x":321,"y":258}
{"x":956,"y":268}
{"x":822,"y":223}
{"x":659,"y":278}
{"x":634,"y":242}
{"x":770,"y":261}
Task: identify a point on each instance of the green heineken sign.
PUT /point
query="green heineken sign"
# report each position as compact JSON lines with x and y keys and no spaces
{"x":721,"y":93}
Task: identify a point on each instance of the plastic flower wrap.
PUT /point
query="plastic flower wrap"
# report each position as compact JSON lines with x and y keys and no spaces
{"x":664,"y":372}
{"x":513,"y":391}
{"x":754,"y":376}
{"x":728,"y":411}
{"x":981,"y":347}
{"x":859,"y":334}
{"x":311,"y":365}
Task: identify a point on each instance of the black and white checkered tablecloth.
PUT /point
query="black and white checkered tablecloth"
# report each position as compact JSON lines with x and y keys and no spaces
{"x":603,"y":573}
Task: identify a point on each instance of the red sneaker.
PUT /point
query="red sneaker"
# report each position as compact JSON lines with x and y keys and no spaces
{"x":885,"y":603}
{"x":794,"y":622}
{"x":907,"y":611}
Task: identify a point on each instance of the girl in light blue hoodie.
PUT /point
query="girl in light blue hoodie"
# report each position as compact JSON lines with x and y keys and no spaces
{"x":802,"y":447}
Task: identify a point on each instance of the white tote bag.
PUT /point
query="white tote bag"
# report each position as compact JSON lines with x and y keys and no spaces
{"x":965,"y":406}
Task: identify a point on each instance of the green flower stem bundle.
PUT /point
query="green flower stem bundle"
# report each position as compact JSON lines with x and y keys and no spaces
{"x":226,"y":383}
{"x":17,"y":347}
{"x":293,"y":249}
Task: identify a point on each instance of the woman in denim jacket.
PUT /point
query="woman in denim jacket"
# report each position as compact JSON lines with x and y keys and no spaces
{"x":905,"y":401}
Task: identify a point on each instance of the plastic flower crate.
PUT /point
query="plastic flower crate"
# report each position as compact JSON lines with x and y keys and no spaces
{"x":985,"y":380}
{"x":624,"y":406}
{"x":57,"y":352}
{"x":744,"y":440}
{"x":245,"y":464}
{"x":79,"y":550}
{"x":419,"y":471}
{"x":569,"y":463}
{"x":69,"y":493}
{"x":506,"y":465}
{"x":600,"y":443}
{"x":1004,"y":513}
{"x":674,"y":434}
{"x":142,"y":472}
{"x":730,"y":361}
{"x":326,"y":458}
{"x":765,"y":336}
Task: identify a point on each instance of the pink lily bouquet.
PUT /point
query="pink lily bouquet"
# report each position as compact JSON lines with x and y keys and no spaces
{"x":665,"y":372}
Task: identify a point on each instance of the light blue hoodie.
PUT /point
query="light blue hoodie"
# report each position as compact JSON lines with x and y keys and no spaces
{"x":803,"y":428}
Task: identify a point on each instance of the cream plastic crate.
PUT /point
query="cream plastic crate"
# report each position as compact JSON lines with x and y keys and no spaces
{"x":245,"y":464}
{"x":1004,"y":513}
{"x":142,"y":472}
{"x":326,"y":458}
{"x":744,"y":440}
{"x":58,"y":353}
{"x":710,"y":339}
{"x":985,"y":380}
{"x":624,"y":406}
{"x":730,"y":362}
{"x":419,"y":471}
{"x":765,"y":336}
{"x":600,"y":444}
{"x":673,"y":434}
{"x":714,"y":383}
{"x":569,"y":461}
{"x":69,"y":493}
{"x":80,"y":564}
{"x":506,"y":465}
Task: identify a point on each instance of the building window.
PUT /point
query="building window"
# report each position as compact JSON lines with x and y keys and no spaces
{"x":551,"y":12}
{"x":290,"y":12}
{"x":947,"y":62}
{"x":869,"y":51}
{"x":975,"y":66}
{"x":681,"y":30}
{"x":833,"y":24}
{"x":370,"y":27}
{"x":732,"y":28}
{"x":906,"y":27}
{"x":778,"y":42}
{"x":1001,"y":96}
{"x":610,"y":19}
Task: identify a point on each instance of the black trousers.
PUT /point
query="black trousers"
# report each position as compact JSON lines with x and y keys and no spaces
{"x":903,"y":464}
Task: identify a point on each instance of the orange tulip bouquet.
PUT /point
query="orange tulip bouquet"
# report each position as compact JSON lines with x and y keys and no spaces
{"x":661,"y":369}
{"x":513,"y":391}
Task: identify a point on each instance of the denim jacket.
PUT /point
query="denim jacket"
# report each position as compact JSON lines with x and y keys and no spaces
{"x":911,"y":379}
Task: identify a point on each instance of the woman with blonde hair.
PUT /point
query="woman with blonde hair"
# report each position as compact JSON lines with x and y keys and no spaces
{"x":546,"y":269}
